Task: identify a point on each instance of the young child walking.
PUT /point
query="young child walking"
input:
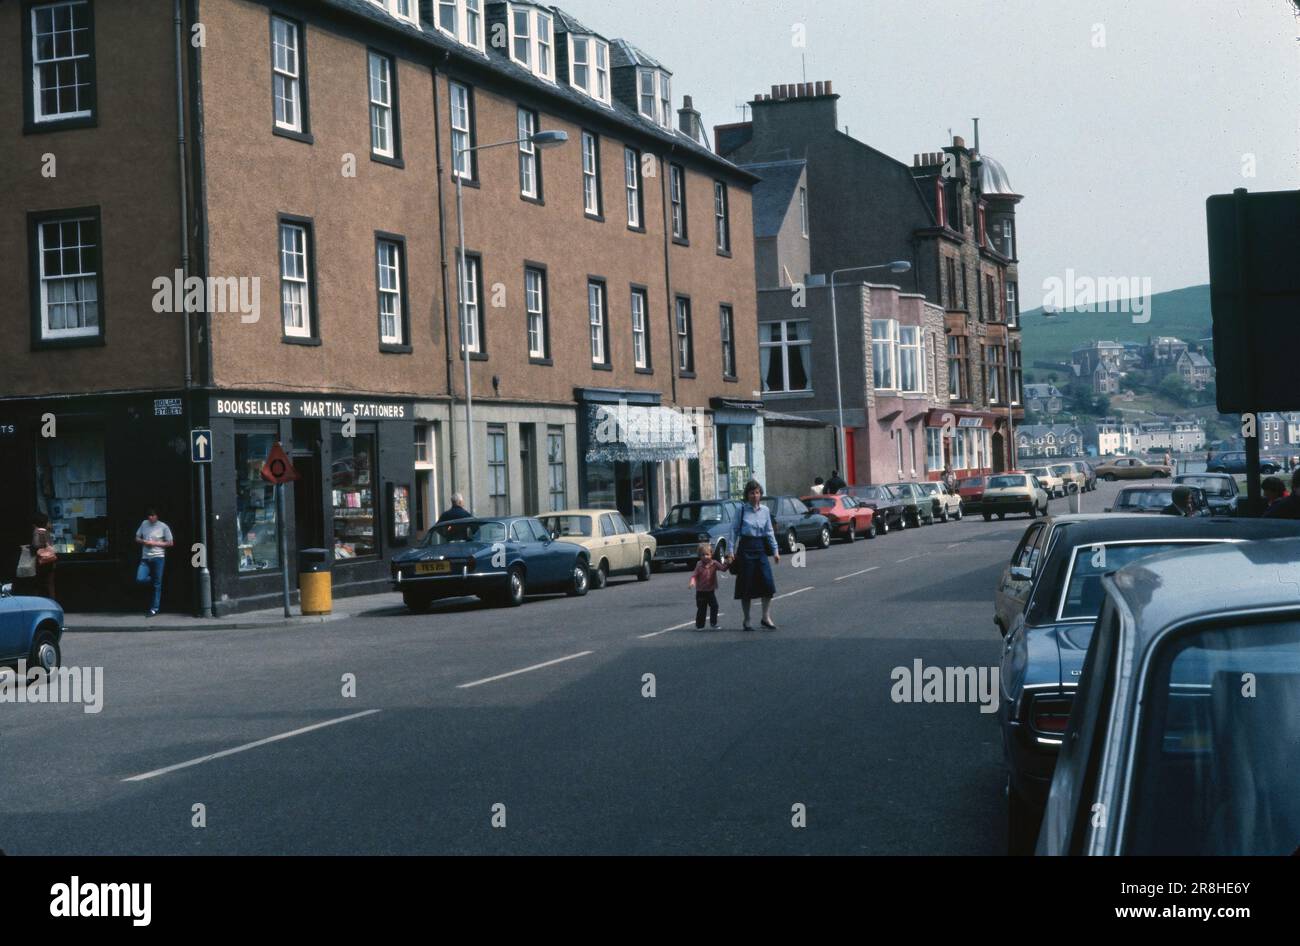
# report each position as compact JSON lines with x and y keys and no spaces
{"x":705,"y":582}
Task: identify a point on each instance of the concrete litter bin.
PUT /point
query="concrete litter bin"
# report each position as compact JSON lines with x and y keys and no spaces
{"x":315,"y":582}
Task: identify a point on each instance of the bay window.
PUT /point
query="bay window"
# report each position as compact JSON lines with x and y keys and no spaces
{"x":911,"y":359}
{"x":884,"y":354}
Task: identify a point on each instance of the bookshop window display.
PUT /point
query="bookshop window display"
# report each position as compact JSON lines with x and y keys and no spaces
{"x":259,"y":540}
{"x":353,"y":477}
{"x":72,"y":489}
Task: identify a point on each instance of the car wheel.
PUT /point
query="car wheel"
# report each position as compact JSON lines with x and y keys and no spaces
{"x":647,"y":566}
{"x":988,"y":517}
{"x":943,"y":516}
{"x":721,"y":551}
{"x":851,"y":535}
{"x":515,"y":589}
{"x":883,"y":528}
{"x":1001,"y":516}
{"x":871,"y":530}
{"x":824,"y":539}
{"x":417,"y":602}
{"x":580,"y":580}
{"x":1023,"y":821}
{"x":790,"y":540}
{"x":1033,"y":510}
{"x":600,"y":577}
{"x":902,"y":521}
{"x":45,"y":653}
{"x":958,"y":514}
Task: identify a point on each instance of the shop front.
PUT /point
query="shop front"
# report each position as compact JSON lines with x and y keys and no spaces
{"x":968,"y":441}
{"x":738,"y":442}
{"x":637,"y":456}
{"x":93,"y":466}
{"x":350,"y":508}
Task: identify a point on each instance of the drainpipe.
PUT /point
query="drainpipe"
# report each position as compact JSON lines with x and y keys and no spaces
{"x":442,"y":262}
{"x":204,"y":576}
{"x":668,"y":272}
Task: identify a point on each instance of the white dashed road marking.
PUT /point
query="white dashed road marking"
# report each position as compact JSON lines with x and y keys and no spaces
{"x":853,"y":574}
{"x":513,"y":673}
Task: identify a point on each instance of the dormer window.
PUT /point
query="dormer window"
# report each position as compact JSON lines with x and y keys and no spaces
{"x":589,"y":66}
{"x":531,"y":41}
{"x":402,"y":9}
{"x":462,"y":20}
{"x":655,"y":96}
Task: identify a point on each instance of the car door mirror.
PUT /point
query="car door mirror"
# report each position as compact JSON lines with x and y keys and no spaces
{"x":1021,"y":573}
{"x":6,"y":590}
{"x":554,"y":535}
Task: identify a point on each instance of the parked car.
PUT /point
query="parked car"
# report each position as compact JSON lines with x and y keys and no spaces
{"x":971,"y":491}
{"x":881,"y":500}
{"x":1155,"y":499}
{"x":1220,"y":490}
{"x":1131,"y":468}
{"x":918,"y":508}
{"x":1234,"y":461}
{"x":31,"y":629}
{"x":946,"y":505}
{"x":848,"y":517}
{"x":1089,"y":474}
{"x":612,"y":547}
{"x":1014,"y":492}
{"x":795,"y":523}
{"x":501,"y":560}
{"x":1051,"y":483}
{"x":1164,"y":734}
{"x":1046,"y":603}
{"x":1074,"y":480}
{"x":687,"y":525}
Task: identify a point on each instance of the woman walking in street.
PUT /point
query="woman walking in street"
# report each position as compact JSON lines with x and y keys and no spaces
{"x":754,"y":539}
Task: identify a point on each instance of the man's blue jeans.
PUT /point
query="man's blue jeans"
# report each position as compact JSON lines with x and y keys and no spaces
{"x":151,"y":570}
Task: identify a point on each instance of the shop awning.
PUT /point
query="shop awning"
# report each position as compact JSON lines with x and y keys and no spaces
{"x":639,"y":433}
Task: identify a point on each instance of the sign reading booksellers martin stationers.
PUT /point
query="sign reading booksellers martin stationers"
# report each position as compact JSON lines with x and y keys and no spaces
{"x":308,"y":409}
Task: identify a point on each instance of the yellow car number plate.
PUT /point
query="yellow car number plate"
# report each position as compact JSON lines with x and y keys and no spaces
{"x":433,"y":568}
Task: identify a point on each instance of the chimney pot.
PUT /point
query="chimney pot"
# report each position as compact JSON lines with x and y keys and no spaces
{"x":776,"y":91}
{"x":821,"y":88}
{"x":828,"y":87}
{"x":686,"y":102}
{"x":958,"y":141}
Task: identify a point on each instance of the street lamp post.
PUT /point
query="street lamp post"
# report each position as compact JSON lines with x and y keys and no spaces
{"x":540,"y":139}
{"x":897,"y":266}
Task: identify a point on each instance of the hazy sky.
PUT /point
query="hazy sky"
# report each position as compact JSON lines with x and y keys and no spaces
{"x":1115,"y":148}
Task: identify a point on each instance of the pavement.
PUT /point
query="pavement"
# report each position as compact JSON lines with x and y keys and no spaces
{"x":82,"y":622}
{"x":602,"y":724}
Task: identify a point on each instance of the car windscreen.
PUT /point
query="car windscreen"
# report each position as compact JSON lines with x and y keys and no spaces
{"x":1145,"y":499}
{"x":1213,"y":485}
{"x":694,"y":515}
{"x":1082,"y":596}
{"x":1215,"y":768}
{"x":575,"y":526}
{"x":1062,"y":470}
{"x":465,"y":530}
{"x":971,"y":482}
{"x":871,"y":492}
{"x":1005,"y":482}
{"x":817,"y":503}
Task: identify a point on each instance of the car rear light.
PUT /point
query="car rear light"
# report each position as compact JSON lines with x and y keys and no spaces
{"x":1050,"y":714}
{"x":470,"y":563}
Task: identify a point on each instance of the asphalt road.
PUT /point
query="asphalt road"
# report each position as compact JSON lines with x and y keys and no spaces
{"x":742,"y":727}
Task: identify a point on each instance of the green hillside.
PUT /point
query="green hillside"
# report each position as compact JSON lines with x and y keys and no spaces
{"x":1183,"y":313}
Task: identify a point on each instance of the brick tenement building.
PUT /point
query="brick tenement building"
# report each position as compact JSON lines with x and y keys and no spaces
{"x":312,"y":171}
{"x":951,"y":214}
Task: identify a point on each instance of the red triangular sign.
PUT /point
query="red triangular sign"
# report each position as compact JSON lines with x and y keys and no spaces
{"x":277,"y":468}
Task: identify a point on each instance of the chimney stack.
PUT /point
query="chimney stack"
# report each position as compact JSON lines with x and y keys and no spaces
{"x":688,"y":120}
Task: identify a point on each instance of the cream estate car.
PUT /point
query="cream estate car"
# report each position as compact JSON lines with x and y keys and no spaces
{"x":1016,"y":491}
{"x":615,"y":549}
{"x":1054,"y":485}
{"x":1074,"y":478}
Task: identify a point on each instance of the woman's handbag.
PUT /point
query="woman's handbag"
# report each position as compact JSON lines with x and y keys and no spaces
{"x":26,"y":563}
{"x":142,"y":576}
{"x":46,"y":555}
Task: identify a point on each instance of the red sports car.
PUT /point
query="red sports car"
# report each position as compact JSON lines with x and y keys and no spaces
{"x":848,"y":518}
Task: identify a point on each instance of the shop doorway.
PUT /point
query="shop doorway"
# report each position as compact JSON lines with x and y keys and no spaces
{"x":634,"y":493}
{"x":999,"y":453}
{"x":308,"y":524}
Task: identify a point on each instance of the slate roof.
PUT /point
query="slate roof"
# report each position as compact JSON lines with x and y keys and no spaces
{"x":772,"y":195}
{"x":560,"y":91}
